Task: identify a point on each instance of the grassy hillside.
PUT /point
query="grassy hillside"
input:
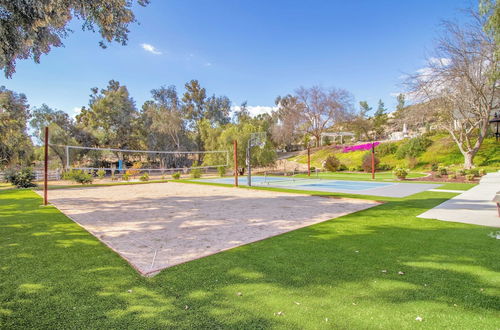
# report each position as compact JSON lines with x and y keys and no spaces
{"x":442,"y":151}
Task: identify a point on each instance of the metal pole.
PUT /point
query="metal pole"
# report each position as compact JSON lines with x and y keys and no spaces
{"x":46,"y":167}
{"x":308,"y":161}
{"x":373,"y":161}
{"x":235,"y":158}
{"x":67,"y":158}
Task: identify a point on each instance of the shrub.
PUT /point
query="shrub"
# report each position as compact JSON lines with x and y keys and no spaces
{"x":469,"y":177}
{"x":195,"y":172}
{"x":473,"y":171}
{"x":384,"y":149}
{"x":412,"y":162}
{"x":452,"y":176}
{"x":437,"y":175}
{"x":79,"y":176}
{"x":144,"y":177}
{"x":312,"y":168}
{"x":461,"y":172}
{"x":482,"y":172}
{"x":22,"y":178}
{"x":413,"y":147}
{"x":134,"y":170}
{"x":221,"y":170}
{"x":367,"y":162}
{"x":176,"y":175}
{"x":331,"y":163}
{"x":353,"y":169}
{"x":126,"y":176}
{"x":342,"y":167}
{"x":385,"y":167}
{"x":101,"y":173}
{"x":9,"y":175}
{"x":434,"y":167}
{"x":443,"y":171}
{"x":401,"y":173}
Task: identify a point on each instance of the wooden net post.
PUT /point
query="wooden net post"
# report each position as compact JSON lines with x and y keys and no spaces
{"x":373,"y":161}
{"x":308,"y":161}
{"x":235,"y":158}
{"x":46,"y":167}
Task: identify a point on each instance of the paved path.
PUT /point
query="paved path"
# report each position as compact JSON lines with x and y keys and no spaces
{"x":473,"y":206}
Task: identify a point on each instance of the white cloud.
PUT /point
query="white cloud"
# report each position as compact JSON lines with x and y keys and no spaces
{"x":75,"y":111}
{"x":151,"y":49}
{"x":255,"y":109}
{"x":208,"y":64}
{"x":443,"y":61}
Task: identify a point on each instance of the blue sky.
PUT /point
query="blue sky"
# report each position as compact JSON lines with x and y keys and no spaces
{"x":247,"y":50}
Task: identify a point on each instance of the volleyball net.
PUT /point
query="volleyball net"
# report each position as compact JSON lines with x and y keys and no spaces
{"x":151,"y":161}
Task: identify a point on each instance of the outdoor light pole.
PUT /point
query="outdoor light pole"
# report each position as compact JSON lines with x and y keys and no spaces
{"x":496,"y":121}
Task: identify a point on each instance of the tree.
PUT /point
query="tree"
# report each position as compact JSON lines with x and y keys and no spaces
{"x":490,"y":10}
{"x":360,"y":124}
{"x":242,"y":114}
{"x":380,"y":109}
{"x":15,"y":145}
{"x":401,"y":102}
{"x":461,"y":83}
{"x":31,"y":28}
{"x":321,"y":108}
{"x":218,"y":109}
{"x":194,"y":99}
{"x":162,"y":121}
{"x":111,"y":117}
{"x":287,"y":121}
{"x":62,"y":130}
{"x":379,"y":119}
{"x":364,"y":108}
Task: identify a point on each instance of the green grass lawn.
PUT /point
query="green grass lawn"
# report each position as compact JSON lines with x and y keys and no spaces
{"x":56,"y":275}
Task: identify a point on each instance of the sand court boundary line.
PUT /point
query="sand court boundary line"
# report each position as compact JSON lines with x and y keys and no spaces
{"x":160,"y":225}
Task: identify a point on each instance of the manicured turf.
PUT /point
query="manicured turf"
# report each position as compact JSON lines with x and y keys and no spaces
{"x":56,"y":275}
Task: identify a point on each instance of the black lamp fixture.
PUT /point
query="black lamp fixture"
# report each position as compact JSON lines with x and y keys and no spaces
{"x":496,"y":121}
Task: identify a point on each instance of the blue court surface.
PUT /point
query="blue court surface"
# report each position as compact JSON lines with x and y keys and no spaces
{"x":384,"y":189}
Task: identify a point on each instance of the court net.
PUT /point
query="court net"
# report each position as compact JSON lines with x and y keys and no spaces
{"x":153,"y":162}
{"x":292,"y":179}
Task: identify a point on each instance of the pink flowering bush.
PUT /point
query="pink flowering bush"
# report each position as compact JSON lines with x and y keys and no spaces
{"x":366,"y":146}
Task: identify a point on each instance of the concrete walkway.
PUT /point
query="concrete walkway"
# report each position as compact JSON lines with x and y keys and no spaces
{"x":473,"y":206}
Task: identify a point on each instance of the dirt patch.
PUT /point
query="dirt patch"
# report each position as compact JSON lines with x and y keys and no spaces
{"x":159,"y":225}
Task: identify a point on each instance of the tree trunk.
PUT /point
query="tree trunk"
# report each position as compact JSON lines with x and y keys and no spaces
{"x":469,"y":160}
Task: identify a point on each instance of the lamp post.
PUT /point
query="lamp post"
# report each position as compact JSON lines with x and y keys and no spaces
{"x":496,"y":121}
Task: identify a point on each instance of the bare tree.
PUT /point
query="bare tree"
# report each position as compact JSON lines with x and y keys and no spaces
{"x":322,"y":108}
{"x":461,"y":80}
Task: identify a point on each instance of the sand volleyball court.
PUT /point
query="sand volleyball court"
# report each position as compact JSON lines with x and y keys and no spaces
{"x":159,"y":225}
